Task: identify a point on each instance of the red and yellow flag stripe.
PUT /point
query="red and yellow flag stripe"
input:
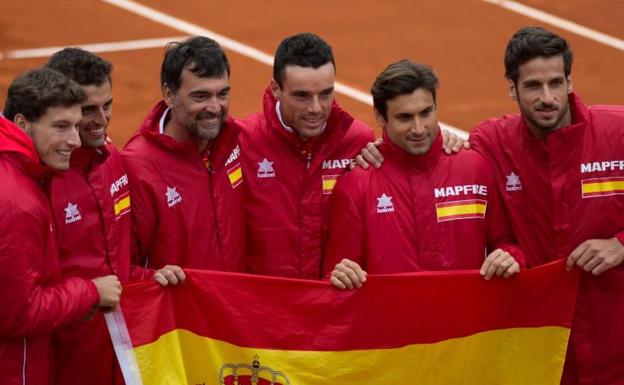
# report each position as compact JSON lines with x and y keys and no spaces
{"x":329,"y":182}
{"x":235,"y":174}
{"x":464,"y":209}
{"x":596,"y":187}
{"x":122,"y":205}
{"x":418,"y":328}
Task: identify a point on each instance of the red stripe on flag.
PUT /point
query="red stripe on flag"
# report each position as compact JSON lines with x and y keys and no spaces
{"x":280,"y":313}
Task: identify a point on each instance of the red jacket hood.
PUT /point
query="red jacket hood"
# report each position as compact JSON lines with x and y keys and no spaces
{"x":15,"y":141}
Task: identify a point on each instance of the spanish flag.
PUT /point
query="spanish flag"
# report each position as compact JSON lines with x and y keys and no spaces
{"x":329,"y":182}
{"x":235,"y":175}
{"x":602,"y":186}
{"x":417,"y":328}
{"x":464,"y":209}
{"x":122,"y":205}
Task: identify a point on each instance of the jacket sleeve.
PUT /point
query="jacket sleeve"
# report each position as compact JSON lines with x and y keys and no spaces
{"x":499,"y":232}
{"x":346,"y":227}
{"x":28,"y":306}
{"x":143,"y":212}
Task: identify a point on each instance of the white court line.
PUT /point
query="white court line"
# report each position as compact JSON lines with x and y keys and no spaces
{"x":559,"y":22}
{"x":240,"y":48}
{"x":98,"y":47}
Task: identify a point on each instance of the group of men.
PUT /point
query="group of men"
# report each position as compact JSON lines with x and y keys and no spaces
{"x":196,"y":188}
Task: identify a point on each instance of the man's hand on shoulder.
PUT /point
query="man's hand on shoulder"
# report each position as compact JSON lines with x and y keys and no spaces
{"x":369,"y":155}
{"x":453,"y":143}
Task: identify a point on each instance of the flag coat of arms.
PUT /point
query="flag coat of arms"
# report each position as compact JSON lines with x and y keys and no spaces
{"x":448,"y":327}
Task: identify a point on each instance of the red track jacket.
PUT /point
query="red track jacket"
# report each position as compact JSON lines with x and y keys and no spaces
{"x":187,"y":207}
{"x":560,"y":191}
{"x":33,"y":300}
{"x":428,"y":212}
{"x":288,"y":188}
{"x":91,"y":207}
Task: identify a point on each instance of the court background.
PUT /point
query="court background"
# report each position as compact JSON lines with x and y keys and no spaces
{"x":463,"y":40}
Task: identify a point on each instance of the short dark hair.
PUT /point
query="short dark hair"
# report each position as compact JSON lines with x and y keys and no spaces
{"x":205,"y":57}
{"x":533,"y":42}
{"x":303,"y":50}
{"x":83,"y":67}
{"x":32,"y":93}
{"x":401,"y":78}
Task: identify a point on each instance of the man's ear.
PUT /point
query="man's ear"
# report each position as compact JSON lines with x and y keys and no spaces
{"x":513,"y":90}
{"x":570,"y":88}
{"x":21,"y":122}
{"x":275,"y":89}
{"x":167,"y":94}
{"x":380,"y":119}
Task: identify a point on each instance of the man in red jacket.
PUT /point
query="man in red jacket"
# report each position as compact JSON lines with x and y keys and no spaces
{"x":293,"y":154}
{"x":45,"y":106}
{"x":559,"y":166}
{"x":423,"y":210}
{"x":184,"y":166}
{"x":91,"y":205}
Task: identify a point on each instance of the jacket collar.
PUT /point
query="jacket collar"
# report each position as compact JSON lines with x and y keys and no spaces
{"x":580,"y":118}
{"x":151,"y":130}
{"x":421,"y":162}
{"x":83,"y":157}
{"x":336,"y":126}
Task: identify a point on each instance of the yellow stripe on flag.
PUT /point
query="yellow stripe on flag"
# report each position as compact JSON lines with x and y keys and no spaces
{"x":122,"y":205}
{"x":235,"y":175}
{"x":329,"y":182}
{"x":473,"y":208}
{"x":607,"y":186}
{"x":516,"y":356}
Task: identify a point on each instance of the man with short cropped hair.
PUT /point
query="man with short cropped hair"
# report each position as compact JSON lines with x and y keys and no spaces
{"x":46,"y":109}
{"x":184,"y":166}
{"x":424,"y":210}
{"x":91,"y":204}
{"x":294,"y":151}
{"x":559,"y":170}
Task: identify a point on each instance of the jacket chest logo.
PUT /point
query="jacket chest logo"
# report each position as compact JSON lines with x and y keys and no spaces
{"x":462,"y":209}
{"x":331,"y":164}
{"x":384,"y":204}
{"x":602,"y":186}
{"x":265,"y":169}
{"x":71,"y":213}
{"x":513,"y":183}
{"x":118,"y":184}
{"x":173,"y":197}
{"x":329,"y":182}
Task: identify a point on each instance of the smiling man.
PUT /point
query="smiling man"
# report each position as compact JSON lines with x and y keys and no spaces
{"x":184,"y":166}
{"x":424,"y":210}
{"x":294,"y":152}
{"x":46,"y":106}
{"x":557,"y":165}
{"x":91,"y":207}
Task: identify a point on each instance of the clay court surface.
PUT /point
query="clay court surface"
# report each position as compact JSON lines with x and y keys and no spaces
{"x":463,"y":40}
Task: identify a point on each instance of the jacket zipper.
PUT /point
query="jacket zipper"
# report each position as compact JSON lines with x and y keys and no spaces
{"x":24,"y":365}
